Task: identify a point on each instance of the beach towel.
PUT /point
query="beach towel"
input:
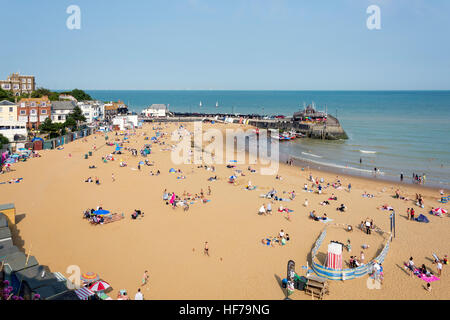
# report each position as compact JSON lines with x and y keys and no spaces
{"x":422,"y":276}
{"x":422,"y":218}
{"x":326,"y":221}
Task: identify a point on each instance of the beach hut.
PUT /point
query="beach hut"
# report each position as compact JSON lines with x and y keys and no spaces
{"x":39,"y":280}
{"x":14,"y":263}
{"x":334,"y":256}
{"x":5,"y":234}
{"x":9,"y":211}
{"x":3,"y":220}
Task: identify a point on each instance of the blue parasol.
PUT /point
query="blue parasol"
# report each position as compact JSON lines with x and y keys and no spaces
{"x":101,"y":212}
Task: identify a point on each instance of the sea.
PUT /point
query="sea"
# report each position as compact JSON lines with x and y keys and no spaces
{"x":394,"y":131}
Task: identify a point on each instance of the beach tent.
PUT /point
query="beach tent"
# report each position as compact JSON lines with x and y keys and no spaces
{"x":37,"y":139}
{"x":422,"y":218}
{"x":153,"y":138}
{"x":84,"y":293}
{"x":101,"y":212}
{"x":172,"y":170}
{"x":334,"y":256}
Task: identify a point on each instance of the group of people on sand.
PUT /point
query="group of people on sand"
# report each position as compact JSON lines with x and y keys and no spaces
{"x":282,"y":238}
{"x":97,"y":180}
{"x":136,"y":213}
{"x":185,"y":199}
{"x":367,"y":226}
{"x":92,"y":217}
{"x":419,"y":201}
{"x":315,"y":217}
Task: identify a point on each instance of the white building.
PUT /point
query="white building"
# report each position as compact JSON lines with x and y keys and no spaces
{"x":92,"y":110}
{"x":61,"y":109}
{"x":156,"y":111}
{"x":14,"y":130}
{"x":126,"y":122}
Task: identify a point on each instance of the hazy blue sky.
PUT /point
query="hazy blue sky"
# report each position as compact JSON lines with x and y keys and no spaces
{"x":228,"y":44}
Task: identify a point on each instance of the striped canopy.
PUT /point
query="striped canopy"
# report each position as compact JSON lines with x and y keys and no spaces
{"x":84,"y":293}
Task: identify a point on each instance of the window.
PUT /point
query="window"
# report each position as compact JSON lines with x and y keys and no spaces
{"x":11,"y":109}
{"x":29,"y":81}
{"x":29,"y":86}
{"x":43,"y":104}
{"x":43,"y":111}
{"x":16,"y":86}
{"x":24,"y":80}
{"x":23,"y":112}
{"x":1,"y":109}
{"x":22,"y":104}
{"x":33,"y":111}
{"x":6,"y":86}
{"x":33,"y":104}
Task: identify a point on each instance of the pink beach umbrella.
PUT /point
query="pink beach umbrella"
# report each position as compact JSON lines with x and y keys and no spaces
{"x":99,"y":286}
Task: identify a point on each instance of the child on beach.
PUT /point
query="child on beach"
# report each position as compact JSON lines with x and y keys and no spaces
{"x":145,"y":278}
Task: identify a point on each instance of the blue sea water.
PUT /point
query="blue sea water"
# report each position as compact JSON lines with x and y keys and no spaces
{"x":394,"y":131}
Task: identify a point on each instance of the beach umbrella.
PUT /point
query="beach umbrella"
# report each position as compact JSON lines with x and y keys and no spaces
{"x":99,"y":286}
{"x":141,"y":162}
{"x":101,"y":212}
{"x":439,"y":210}
{"x":89,"y":277}
{"x":153,"y":138}
{"x":233,"y":177}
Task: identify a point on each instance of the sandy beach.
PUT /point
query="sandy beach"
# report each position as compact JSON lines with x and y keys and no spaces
{"x":51,"y":199}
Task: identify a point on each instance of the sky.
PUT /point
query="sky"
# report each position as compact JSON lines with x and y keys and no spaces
{"x":228,"y":44}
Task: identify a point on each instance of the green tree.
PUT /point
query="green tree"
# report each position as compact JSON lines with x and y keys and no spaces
{"x":6,"y":95}
{"x":3,"y":140}
{"x":40,"y":92}
{"x":79,"y":94}
{"x":52,"y":128}
{"x":70,"y":123}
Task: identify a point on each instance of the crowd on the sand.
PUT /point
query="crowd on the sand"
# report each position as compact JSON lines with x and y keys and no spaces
{"x":98,"y":216}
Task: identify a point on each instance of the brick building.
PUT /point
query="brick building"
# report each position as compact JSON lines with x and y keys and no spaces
{"x":18,"y":84}
{"x":34,"y":111}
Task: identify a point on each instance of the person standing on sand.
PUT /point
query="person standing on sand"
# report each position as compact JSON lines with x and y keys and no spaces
{"x":439,"y":268}
{"x":349,"y":187}
{"x":401,"y":176}
{"x":206,"y":250}
{"x":139,"y":295}
{"x":113,"y":178}
{"x":145,"y":278}
{"x":209,"y":190}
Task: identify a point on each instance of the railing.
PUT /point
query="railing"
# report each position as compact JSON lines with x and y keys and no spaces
{"x":345,"y":274}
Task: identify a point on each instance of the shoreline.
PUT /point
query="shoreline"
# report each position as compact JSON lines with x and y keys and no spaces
{"x":169,"y":242}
